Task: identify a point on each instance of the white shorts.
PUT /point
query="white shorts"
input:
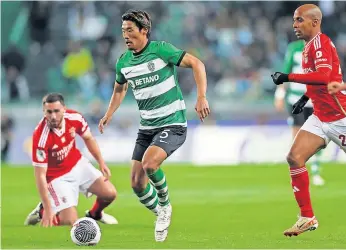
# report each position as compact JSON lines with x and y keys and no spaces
{"x":329,"y":131}
{"x":64,"y":190}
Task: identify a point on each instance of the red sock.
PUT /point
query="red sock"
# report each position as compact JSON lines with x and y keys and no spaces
{"x":41,"y":212}
{"x":300,"y":183}
{"x":99,"y":205}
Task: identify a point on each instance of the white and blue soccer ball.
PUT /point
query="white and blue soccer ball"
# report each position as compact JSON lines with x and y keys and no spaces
{"x":85,"y":232}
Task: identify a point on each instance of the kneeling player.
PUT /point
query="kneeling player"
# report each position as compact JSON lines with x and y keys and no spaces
{"x":62,"y":172}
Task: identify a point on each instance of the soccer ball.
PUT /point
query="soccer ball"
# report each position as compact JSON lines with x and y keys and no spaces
{"x":85,"y":232}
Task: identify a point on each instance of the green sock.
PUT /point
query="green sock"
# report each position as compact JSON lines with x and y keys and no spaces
{"x":159,"y":180}
{"x":315,"y":166}
{"x":149,"y":198}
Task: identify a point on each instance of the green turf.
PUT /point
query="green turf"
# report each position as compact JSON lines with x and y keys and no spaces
{"x":213,"y":207}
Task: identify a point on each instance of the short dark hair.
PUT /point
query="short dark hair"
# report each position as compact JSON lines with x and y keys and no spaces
{"x":140,"y":17}
{"x":53,"y":97}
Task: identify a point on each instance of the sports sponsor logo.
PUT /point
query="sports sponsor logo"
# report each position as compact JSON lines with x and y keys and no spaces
{"x":321,"y":60}
{"x":318,"y":54}
{"x":61,"y":154}
{"x":144,"y":80}
{"x":307,"y":70}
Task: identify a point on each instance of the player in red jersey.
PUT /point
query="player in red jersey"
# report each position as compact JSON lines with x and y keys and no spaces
{"x":62,"y":172}
{"x":321,"y":66}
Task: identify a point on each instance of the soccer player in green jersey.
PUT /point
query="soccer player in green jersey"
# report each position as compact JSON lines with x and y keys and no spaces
{"x":290,"y":94}
{"x":149,"y":68}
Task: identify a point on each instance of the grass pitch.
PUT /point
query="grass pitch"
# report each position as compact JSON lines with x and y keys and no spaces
{"x":247,"y":206}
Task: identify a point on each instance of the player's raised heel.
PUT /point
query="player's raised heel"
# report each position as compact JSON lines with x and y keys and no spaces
{"x":105,"y":218}
{"x":34,"y":217}
{"x":303,"y":224}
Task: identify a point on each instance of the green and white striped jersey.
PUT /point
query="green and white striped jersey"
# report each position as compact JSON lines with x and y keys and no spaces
{"x":151,"y":73}
{"x":293,"y":64}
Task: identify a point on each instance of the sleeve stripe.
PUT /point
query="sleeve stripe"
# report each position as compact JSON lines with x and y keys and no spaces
{"x":85,"y":126}
{"x":317,"y":42}
{"x":44,"y":136}
{"x":181,"y":58}
{"x":40,"y":165}
{"x":85,"y":130}
{"x":76,"y":117}
{"x":324,"y":66}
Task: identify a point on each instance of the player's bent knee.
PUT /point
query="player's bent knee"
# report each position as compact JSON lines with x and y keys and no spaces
{"x":112,"y":194}
{"x":109,"y":193}
{"x":295,"y":160}
{"x":150,"y":165}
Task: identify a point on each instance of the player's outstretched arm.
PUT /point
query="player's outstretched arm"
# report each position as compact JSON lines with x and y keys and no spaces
{"x":42,"y":186}
{"x":319,"y":77}
{"x":200,"y":75}
{"x":118,"y":95}
{"x":94,"y":149}
{"x":323,"y":61}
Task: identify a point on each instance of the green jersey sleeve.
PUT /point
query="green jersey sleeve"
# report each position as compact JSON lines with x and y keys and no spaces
{"x":170,"y":54}
{"x":119,"y":77}
{"x":288,"y":61}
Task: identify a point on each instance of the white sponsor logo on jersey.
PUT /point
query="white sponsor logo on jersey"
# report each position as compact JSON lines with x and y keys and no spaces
{"x":318,"y":54}
{"x":145,"y":80}
{"x":308,"y":70}
{"x":61,"y":154}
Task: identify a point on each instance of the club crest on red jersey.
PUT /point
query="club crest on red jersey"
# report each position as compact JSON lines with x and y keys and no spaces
{"x":305,"y":55}
{"x":72,"y":132}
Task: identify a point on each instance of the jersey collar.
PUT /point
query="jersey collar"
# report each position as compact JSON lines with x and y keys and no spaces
{"x":60,"y":132}
{"x":140,"y":52}
{"x":307,"y":44}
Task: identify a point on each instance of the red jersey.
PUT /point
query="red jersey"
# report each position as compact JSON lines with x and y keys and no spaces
{"x":56,"y":149}
{"x":320,"y":55}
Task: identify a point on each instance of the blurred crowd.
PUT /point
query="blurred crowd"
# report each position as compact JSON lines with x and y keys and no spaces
{"x":74,"y":46}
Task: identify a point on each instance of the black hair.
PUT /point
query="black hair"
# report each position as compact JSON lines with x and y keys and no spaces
{"x":140,"y":17}
{"x":53,"y":97}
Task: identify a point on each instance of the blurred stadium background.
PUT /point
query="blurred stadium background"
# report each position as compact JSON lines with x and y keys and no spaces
{"x":72,"y":47}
